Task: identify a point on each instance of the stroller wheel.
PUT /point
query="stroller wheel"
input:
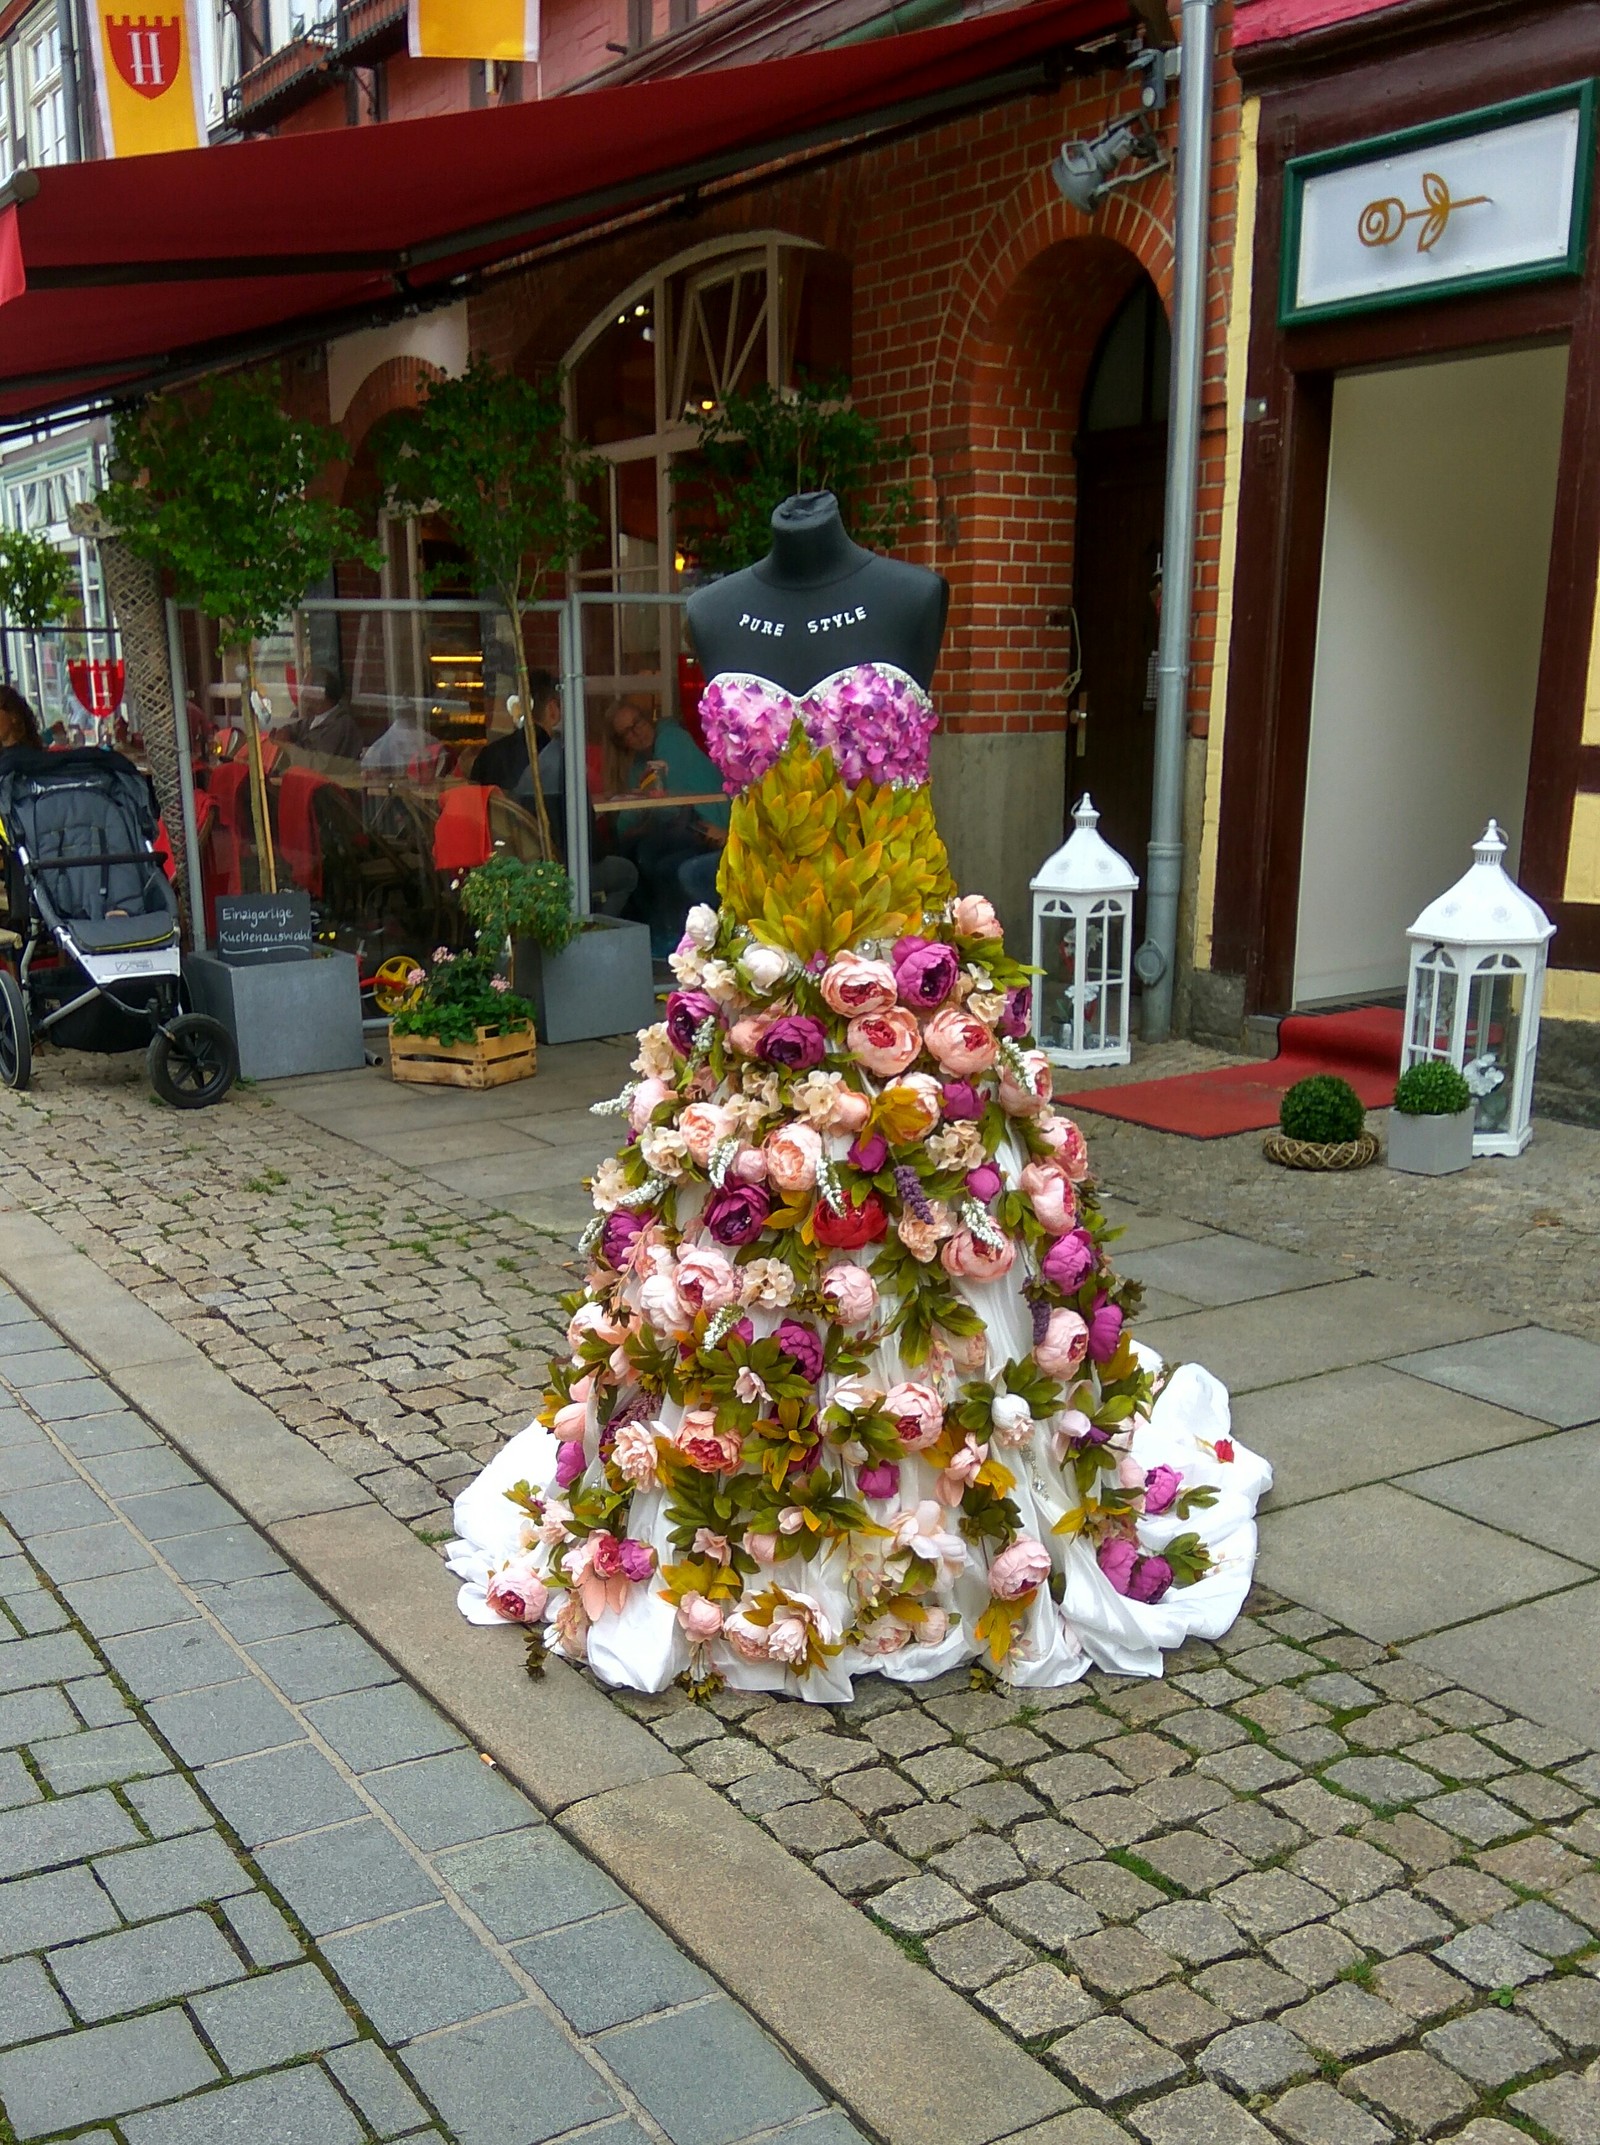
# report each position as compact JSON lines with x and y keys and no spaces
{"x":193,"y":1061}
{"x":16,"y":1043}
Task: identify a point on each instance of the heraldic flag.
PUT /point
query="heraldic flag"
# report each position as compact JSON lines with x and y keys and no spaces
{"x":473,"y":29}
{"x":147,"y":75}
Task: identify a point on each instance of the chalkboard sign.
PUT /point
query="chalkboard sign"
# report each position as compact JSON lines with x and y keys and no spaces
{"x":264,"y":927}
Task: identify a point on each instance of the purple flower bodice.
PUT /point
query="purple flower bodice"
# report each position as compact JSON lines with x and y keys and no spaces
{"x":875,"y":719}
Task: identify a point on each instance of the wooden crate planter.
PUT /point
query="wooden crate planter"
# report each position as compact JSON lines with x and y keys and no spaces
{"x":489,"y":1060}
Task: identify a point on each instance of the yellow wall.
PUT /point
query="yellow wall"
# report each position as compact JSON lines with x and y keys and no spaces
{"x":1238,"y":361}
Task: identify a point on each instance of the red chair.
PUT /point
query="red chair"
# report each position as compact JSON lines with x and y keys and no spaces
{"x":299,"y":837}
{"x":461,"y":836}
{"x":229,"y":795}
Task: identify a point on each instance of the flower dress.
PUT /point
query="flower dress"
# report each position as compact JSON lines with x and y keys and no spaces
{"x":852,"y":1384}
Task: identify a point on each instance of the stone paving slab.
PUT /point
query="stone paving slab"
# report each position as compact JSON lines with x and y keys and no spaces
{"x":1550,"y":1489}
{"x":202,"y":1945}
{"x":1554,"y":1376}
{"x":1393,"y":1566}
{"x":1539,"y":1657}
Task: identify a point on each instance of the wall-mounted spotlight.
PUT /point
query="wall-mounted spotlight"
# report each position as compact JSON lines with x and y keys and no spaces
{"x":1083,"y":169}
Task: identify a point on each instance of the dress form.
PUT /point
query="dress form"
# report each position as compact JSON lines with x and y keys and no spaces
{"x":818,"y":604}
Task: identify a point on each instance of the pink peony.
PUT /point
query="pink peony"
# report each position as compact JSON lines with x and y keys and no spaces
{"x":917,"y":1413}
{"x":917,"y":1100}
{"x":868,"y":1152}
{"x":962,"y":1471}
{"x":661,"y":1303}
{"x":850,"y":1293}
{"x":926,"y":975}
{"x":748,"y":1640}
{"x":851,"y":986}
{"x":571,"y":1626}
{"x":1064,"y":1346}
{"x":974,"y":917}
{"x":638,"y":1560}
{"x":633,"y":1451}
{"x":962,"y":1102}
{"x":885,"y":1043}
{"x":967,"y":1258}
{"x":882,"y":1479}
{"x":700,"y":1619}
{"x":935,"y":1623}
{"x":749,"y":1166}
{"x":1066,"y":1143}
{"x":745,"y":1036}
{"x":1151,"y":1579}
{"x":1070,"y":1260}
{"x":706,"y":1278}
{"x":796,"y":1042}
{"x":1021,"y":1567}
{"x":517,"y":1593}
{"x":1161,"y":1487}
{"x":983,"y":1182}
{"x":736,"y":1215}
{"x":645,"y":1100}
{"x":803,"y":1346}
{"x":793,"y":1152}
{"x":703,"y":1124}
{"x":687,"y":1013}
{"x":850,"y":1111}
{"x":617,"y":1237}
{"x":571,"y":1421}
{"x":570,"y":1464}
{"x":763,"y":1547}
{"x":1116,"y":1559}
{"x":1048,"y":1190}
{"x":1105,"y":1331}
{"x":712,"y":1451}
{"x":1019,"y":1100}
{"x":961,"y":1043}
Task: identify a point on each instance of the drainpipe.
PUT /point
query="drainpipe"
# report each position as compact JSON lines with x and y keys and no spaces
{"x":71,"y":87}
{"x":1155,"y":960}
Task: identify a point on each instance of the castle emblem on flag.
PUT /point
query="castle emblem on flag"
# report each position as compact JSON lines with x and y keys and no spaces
{"x":147,"y":51}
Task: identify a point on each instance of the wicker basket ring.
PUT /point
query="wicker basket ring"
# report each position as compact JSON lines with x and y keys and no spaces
{"x":1313,"y":1154}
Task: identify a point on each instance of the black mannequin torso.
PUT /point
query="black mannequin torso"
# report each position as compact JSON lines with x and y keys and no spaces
{"x":818,"y":603}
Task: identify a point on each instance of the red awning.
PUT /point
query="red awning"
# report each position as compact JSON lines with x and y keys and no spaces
{"x":114,"y":276}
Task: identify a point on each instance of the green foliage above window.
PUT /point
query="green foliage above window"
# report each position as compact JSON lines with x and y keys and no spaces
{"x":37,"y":582}
{"x":759,"y":449}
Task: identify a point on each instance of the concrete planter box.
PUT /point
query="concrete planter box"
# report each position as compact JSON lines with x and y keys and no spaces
{"x":601,"y":985}
{"x":1430,"y":1146}
{"x":287,"y":1017}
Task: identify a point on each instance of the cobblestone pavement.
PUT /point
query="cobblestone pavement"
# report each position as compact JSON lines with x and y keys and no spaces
{"x":400,"y":1327}
{"x":1522,"y":1236}
{"x":241,"y":1865}
{"x":1301,"y":1879}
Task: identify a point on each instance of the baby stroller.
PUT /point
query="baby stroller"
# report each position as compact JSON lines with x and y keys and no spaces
{"x":97,"y":927}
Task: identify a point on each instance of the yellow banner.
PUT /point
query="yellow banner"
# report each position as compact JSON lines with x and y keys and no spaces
{"x":147,"y":79}
{"x":473,"y":29}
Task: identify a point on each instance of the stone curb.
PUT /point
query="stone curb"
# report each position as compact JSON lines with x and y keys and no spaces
{"x":818,"y":1975}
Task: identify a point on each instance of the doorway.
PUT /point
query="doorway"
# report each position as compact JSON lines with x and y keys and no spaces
{"x":1436,"y":555}
{"x":1121,"y":452}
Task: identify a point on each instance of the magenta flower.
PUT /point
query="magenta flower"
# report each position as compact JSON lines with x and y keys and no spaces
{"x":960,"y":1102}
{"x":746,"y":723}
{"x":1067,"y":1262}
{"x":903,"y":948}
{"x":1105,"y":1331}
{"x":685,"y":1011}
{"x":638,"y":1559}
{"x":617,"y":1235}
{"x":869,"y":1151}
{"x":1151,"y":1579}
{"x":876,"y":723}
{"x":802,"y":1346}
{"x":1117,"y":1558}
{"x":796,"y":1042}
{"x":881,"y":1480}
{"x":737,"y":1214}
{"x":570,"y":1463}
{"x":983,"y":1182}
{"x":926,"y":976}
{"x":1161,"y":1487}
{"x":1017,"y":1018}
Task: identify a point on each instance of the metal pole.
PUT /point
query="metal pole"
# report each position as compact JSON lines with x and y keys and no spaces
{"x":1156,"y":958}
{"x":191,"y":836}
{"x":572,"y":747}
{"x":70,"y":88}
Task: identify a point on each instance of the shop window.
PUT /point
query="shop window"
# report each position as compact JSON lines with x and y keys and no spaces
{"x":7,"y":151}
{"x":1128,"y":379}
{"x":46,"y":89}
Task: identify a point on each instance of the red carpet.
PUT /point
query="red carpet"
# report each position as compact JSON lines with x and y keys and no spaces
{"x":1362,"y":1047}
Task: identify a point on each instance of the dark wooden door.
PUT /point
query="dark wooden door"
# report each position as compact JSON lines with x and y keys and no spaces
{"x":1111,"y":751}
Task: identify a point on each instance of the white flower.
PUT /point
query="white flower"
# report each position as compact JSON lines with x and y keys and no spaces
{"x":609,"y":1185}
{"x":1012,"y":1419}
{"x":921,"y":1530}
{"x":701,"y":925}
{"x":719,"y":979}
{"x":657,"y":1059}
{"x":764,"y":968}
{"x":986,"y":1005}
{"x":1483,"y":1075}
{"x":957,"y":1146}
{"x":688,"y":965}
{"x":665,"y":1149}
{"x":816,"y":1097}
{"x":769,"y":1283}
{"x":747,"y":1387}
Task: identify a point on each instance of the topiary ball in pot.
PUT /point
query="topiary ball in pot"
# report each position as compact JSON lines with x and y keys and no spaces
{"x":1432,"y":1089}
{"x":1322,"y":1111}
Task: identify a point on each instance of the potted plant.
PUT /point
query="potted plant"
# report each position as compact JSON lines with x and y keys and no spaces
{"x":584,"y":975}
{"x":1321,"y":1125}
{"x":1431,"y":1123}
{"x":461,"y":1024}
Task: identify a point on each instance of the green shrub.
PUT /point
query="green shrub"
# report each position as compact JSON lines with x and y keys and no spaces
{"x":1431,"y":1089}
{"x":1324,"y":1111}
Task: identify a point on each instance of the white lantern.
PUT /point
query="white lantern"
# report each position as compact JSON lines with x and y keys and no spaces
{"x":1083,"y":947}
{"x":1476,"y":984}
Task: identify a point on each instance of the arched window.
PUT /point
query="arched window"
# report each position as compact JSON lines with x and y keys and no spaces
{"x":1131,"y":369}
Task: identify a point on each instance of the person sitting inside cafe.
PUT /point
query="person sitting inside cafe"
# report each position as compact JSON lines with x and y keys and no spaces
{"x":676,"y":847}
{"x":326,"y":726}
{"x":504,"y":764}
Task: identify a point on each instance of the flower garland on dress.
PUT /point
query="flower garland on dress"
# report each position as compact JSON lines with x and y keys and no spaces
{"x":827,"y":1146}
{"x":874,"y":719}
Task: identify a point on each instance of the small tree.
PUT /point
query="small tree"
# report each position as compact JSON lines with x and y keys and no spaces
{"x":759,"y":449}
{"x":489,"y":451}
{"x":37,"y":582}
{"x":214,"y":489}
